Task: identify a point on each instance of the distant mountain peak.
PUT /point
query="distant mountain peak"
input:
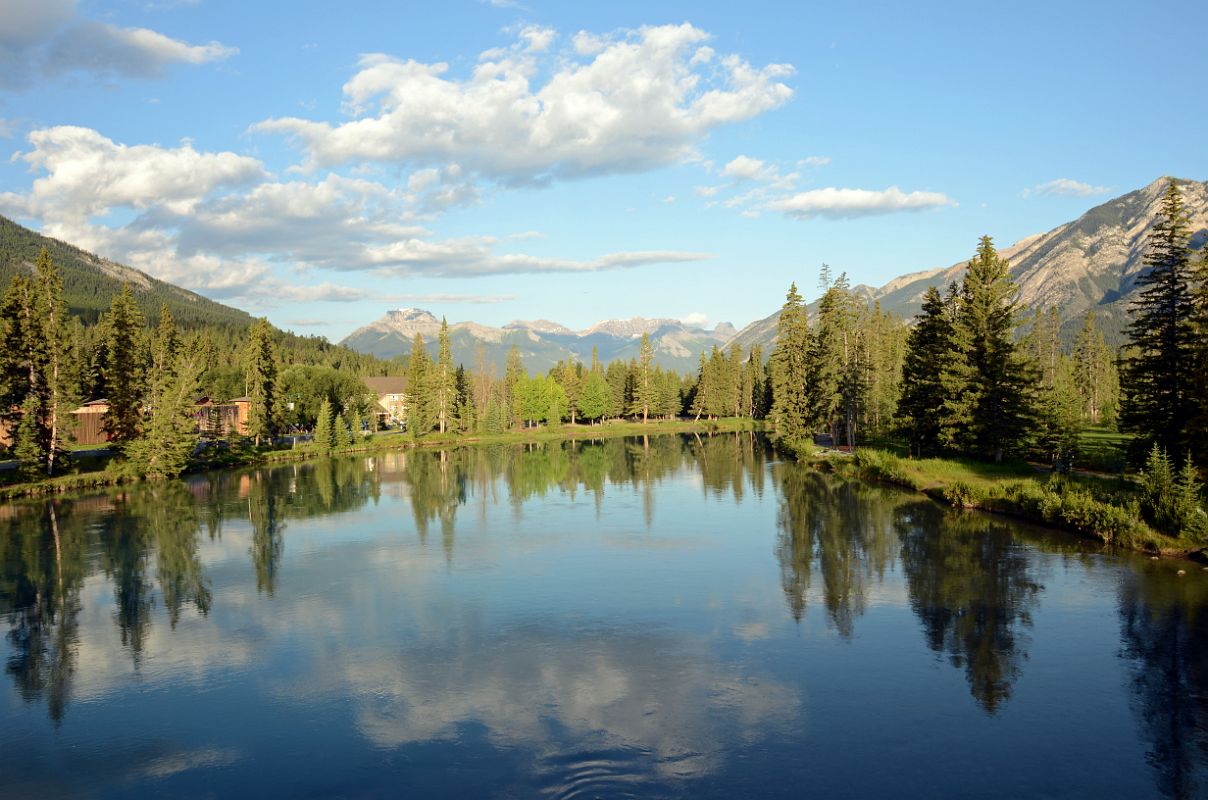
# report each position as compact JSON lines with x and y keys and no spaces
{"x":539,"y":326}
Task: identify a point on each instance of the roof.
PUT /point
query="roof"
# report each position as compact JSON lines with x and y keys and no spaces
{"x":392,"y":384}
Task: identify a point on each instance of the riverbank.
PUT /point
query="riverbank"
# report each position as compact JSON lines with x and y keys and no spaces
{"x":1099,"y":508}
{"x":243,"y":454}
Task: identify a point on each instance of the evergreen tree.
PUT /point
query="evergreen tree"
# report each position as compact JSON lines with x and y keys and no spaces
{"x":643,"y":389}
{"x":754,"y":380}
{"x":341,"y":438}
{"x":444,"y":381}
{"x":787,"y":368}
{"x":512,"y":371}
{"x":171,"y":437}
{"x":829,"y":357}
{"x":594,"y":401}
{"x":570,"y":376}
{"x":123,"y":370}
{"x":167,"y":344}
{"x":1095,"y":374}
{"x":1158,"y":404}
{"x":989,"y":386}
{"x":58,"y":399}
{"x":421,"y":399}
{"x":323,"y":439}
{"x":27,"y":449}
{"x":260,"y":377}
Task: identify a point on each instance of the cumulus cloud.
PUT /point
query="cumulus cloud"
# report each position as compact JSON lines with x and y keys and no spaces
{"x":697,"y":319}
{"x":814,"y":161}
{"x":1067,"y":187}
{"x":622,"y":103}
{"x":219,"y":223}
{"x":89,"y":174}
{"x":849,"y":203}
{"x":745,"y":168}
{"x":48,"y":38}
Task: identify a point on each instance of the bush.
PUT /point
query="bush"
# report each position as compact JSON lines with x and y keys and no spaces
{"x":1169,"y":502}
{"x":963,"y":495}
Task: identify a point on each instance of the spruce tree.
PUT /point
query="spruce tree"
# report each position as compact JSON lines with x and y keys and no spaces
{"x":341,"y":432}
{"x":170,"y":438}
{"x":323,"y":440}
{"x":420,"y":390}
{"x":260,"y":376}
{"x":989,"y":385}
{"x":643,"y":391}
{"x":787,"y":368}
{"x":123,"y":370}
{"x":1158,"y":403}
{"x":443,"y":379}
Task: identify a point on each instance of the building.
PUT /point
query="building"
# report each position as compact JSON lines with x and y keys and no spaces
{"x":391,"y":393}
{"x":89,"y":422}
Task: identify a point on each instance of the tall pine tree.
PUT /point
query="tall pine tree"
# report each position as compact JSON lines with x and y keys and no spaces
{"x":787,"y":368}
{"x":260,"y":376}
{"x":928,"y":346}
{"x":989,"y":386}
{"x":1157,"y":381}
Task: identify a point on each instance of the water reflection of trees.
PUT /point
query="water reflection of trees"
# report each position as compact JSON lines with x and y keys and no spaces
{"x":974,"y":591}
{"x":145,"y":539}
{"x":969,"y":583}
{"x":1164,"y":628}
{"x":844,"y":529}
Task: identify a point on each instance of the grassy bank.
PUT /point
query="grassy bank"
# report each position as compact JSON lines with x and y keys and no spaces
{"x":243,"y":454}
{"x":1103,"y":509}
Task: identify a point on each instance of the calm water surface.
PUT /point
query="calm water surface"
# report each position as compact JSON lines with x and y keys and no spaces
{"x":671,"y":617}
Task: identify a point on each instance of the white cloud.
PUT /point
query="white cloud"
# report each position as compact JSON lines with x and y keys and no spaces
{"x":88,"y":175}
{"x":1066,"y":187}
{"x":631,"y":102}
{"x":697,"y":319}
{"x":47,"y":38}
{"x":669,"y":199}
{"x":848,"y":203}
{"x":814,"y":161}
{"x":706,"y":191}
{"x":745,"y":168}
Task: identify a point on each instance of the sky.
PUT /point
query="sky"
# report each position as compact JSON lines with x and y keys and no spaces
{"x":321,"y":163}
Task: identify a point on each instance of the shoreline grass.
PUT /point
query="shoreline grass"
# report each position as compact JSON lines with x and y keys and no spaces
{"x":1104,"y":509}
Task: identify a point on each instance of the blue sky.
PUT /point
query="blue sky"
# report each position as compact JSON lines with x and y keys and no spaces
{"x":321,"y":163}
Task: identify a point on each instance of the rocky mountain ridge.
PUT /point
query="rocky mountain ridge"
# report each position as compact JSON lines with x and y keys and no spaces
{"x":1090,"y":263}
{"x":542,"y":343}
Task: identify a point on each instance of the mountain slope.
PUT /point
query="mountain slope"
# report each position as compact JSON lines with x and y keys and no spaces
{"x":541,"y":343}
{"x":89,"y":282}
{"x":1091,"y":262}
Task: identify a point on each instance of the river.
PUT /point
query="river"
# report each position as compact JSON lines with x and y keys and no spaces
{"x":663,"y":617}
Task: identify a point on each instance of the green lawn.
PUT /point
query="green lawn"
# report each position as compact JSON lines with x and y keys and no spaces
{"x":1102,"y":450}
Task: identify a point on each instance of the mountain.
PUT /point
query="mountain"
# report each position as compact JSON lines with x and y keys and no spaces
{"x":90,"y":281}
{"x":1092,"y":262}
{"x":542,"y":343}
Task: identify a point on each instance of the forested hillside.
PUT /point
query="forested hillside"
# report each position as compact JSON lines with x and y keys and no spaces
{"x":90,"y":283}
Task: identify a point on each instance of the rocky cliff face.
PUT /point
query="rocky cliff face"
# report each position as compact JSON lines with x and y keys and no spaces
{"x":1092,"y":262}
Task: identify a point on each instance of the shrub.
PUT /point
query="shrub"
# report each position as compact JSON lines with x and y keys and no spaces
{"x":1169,"y":502}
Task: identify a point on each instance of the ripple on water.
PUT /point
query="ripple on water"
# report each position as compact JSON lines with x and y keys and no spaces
{"x":614,"y":772}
